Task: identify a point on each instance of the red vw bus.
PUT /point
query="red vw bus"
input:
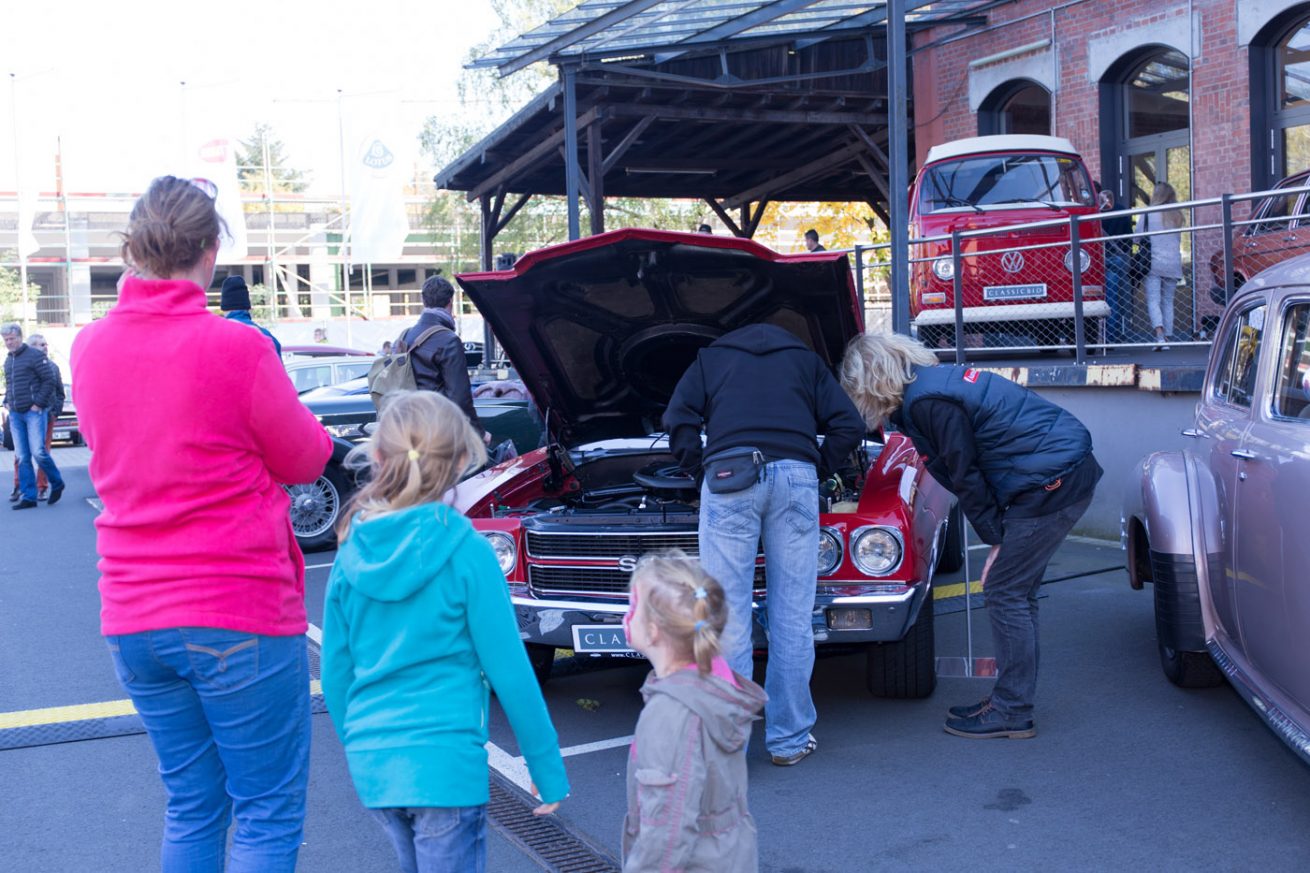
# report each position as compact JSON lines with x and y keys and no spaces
{"x":1012,"y":295}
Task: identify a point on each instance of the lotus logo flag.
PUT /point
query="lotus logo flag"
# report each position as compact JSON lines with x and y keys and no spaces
{"x":214,"y":158}
{"x":378,"y":224}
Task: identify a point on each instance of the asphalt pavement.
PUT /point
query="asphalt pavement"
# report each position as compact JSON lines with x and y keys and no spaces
{"x":1127,"y":771}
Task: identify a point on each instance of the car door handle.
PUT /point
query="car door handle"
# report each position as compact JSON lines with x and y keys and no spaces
{"x":1243,"y":454}
{"x":1289,"y":239}
{"x":1192,"y":432}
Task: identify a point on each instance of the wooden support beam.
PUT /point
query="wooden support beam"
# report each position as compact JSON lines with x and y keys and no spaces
{"x":825,"y":164}
{"x":754,"y":223}
{"x":542,"y":150}
{"x":513,"y":210}
{"x":724,"y":216}
{"x":584,"y":183}
{"x":880,"y":211}
{"x":626,"y":143}
{"x":877,"y":176}
{"x":779,"y":116}
{"x":871,"y":143}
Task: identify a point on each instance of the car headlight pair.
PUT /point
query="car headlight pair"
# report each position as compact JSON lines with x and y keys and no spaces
{"x":507,"y":554}
{"x":876,"y":551}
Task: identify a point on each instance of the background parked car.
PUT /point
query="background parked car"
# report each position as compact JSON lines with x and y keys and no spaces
{"x":310,"y":373}
{"x":1219,"y":529}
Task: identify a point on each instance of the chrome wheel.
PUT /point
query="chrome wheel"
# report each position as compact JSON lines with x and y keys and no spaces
{"x":314,"y":507}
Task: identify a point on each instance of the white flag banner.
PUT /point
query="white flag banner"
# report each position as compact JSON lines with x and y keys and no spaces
{"x":378,"y":168}
{"x":214,"y":158}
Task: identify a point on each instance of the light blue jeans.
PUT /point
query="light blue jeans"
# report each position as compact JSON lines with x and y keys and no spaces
{"x":783,"y":509}
{"x":228,"y":714}
{"x":437,"y":839}
{"x":29,"y":428}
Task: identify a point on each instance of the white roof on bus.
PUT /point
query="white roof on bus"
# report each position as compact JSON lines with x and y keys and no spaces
{"x":1002,"y":143}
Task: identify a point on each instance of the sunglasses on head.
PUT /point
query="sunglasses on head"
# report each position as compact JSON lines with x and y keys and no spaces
{"x":209,"y":189}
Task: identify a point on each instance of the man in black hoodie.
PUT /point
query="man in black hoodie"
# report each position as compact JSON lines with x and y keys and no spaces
{"x":761,"y":388}
{"x":438,"y":353}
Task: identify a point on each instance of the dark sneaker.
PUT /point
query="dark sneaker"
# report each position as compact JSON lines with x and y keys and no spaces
{"x":796,"y":757}
{"x":967,"y":709}
{"x":990,"y":723}
{"x":56,"y":491}
{"x":24,"y":504}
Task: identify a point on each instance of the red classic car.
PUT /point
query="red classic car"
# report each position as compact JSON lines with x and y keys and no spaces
{"x":1013,"y":282}
{"x":601,"y":330}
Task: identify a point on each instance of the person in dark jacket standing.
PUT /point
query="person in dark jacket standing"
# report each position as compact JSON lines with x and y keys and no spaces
{"x":38,"y":342}
{"x":29,"y":393}
{"x":439,"y":363}
{"x":761,"y":388}
{"x":1024,"y":473}
{"x":1118,"y":252}
{"x":235,"y":303}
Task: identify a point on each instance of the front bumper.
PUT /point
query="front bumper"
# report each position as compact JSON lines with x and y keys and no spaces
{"x":892,"y":609}
{"x":1011,"y":312}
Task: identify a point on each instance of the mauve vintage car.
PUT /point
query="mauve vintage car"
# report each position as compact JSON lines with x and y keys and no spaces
{"x":1219,"y":528}
{"x":601,"y":330}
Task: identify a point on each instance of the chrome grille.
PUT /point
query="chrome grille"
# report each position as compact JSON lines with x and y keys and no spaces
{"x":594,"y":545}
{"x":589,"y":580}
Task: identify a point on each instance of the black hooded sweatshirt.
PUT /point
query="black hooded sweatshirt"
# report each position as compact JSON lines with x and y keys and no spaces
{"x":762,"y":387}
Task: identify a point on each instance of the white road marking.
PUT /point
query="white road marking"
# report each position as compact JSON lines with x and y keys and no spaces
{"x":315,"y":633}
{"x":512,"y":768}
{"x":318,"y":566}
{"x":598,"y":746}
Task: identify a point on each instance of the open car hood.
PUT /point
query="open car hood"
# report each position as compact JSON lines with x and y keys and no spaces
{"x":601,"y":329}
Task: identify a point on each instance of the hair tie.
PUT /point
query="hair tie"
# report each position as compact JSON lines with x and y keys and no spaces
{"x":700,"y":593}
{"x":700,"y":626}
{"x":413,"y":454}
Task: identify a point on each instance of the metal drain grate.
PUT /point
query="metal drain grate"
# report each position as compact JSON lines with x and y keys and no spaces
{"x":545,"y":839}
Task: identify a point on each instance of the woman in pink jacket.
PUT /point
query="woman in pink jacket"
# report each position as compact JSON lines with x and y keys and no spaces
{"x":194,"y":425}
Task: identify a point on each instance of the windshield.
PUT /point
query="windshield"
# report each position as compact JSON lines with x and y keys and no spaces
{"x":996,"y":180}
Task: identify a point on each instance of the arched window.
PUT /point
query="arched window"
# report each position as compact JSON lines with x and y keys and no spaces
{"x":1021,"y":106}
{"x":1145,"y":102}
{"x":1280,"y":98}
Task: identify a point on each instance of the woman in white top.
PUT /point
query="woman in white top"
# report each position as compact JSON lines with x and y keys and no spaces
{"x":1166,"y":262}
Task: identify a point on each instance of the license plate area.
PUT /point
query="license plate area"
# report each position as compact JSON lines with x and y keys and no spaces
{"x":603,"y":638}
{"x":1015,"y":292}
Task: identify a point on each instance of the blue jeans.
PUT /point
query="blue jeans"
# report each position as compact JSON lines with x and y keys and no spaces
{"x":783,"y":508}
{"x":1116,"y":294}
{"x":228,"y":715}
{"x":437,"y":839}
{"x":29,"y":443}
{"x":1011,"y":596}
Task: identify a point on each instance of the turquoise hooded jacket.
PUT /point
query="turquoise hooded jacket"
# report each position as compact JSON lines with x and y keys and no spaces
{"x":417,"y":629}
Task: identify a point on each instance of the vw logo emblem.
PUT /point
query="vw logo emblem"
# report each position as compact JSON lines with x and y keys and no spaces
{"x":628,"y":563}
{"x":1012,"y":261}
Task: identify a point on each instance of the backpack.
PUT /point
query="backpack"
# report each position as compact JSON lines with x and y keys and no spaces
{"x":395,"y":372}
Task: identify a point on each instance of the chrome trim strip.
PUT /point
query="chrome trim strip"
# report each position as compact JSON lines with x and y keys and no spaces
{"x":1285,"y":728}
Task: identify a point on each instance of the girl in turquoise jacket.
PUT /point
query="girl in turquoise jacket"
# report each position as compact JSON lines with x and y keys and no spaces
{"x":417,"y":630}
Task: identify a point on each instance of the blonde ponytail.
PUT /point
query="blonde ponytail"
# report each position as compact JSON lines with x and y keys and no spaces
{"x":685,"y":603}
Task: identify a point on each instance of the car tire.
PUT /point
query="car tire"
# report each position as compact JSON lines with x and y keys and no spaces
{"x":315,"y":508}
{"x":951,"y":558}
{"x":1190,"y":669}
{"x":907,"y":668}
{"x":542,"y":658}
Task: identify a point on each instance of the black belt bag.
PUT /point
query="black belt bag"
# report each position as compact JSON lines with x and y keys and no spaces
{"x":733,"y":469}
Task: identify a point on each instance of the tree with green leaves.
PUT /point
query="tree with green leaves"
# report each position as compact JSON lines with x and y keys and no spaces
{"x":11,"y":292}
{"x":250,"y":164}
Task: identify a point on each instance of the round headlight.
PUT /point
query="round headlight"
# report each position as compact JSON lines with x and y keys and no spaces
{"x":829,"y":551}
{"x":944,"y":269}
{"x":503,"y":545}
{"x":1084,"y":260}
{"x":876,"y":551}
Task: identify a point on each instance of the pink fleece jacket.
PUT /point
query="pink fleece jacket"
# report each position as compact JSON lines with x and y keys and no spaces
{"x":192,"y":423}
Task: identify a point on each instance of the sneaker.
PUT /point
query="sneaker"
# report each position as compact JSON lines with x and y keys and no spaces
{"x":15,"y":496}
{"x":43,"y":494}
{"x":796,"y":757}
{"x":969,"y":709}
{"x":56,"y":491}
{"x":990,"y":723}
{"x":24,"y":504}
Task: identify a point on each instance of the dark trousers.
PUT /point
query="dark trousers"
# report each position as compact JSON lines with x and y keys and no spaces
{"x":1011,"y":595}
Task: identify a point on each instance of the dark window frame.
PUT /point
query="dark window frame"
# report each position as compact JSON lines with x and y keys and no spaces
{"x":994,"y":109}
{"x":1268,"y":118}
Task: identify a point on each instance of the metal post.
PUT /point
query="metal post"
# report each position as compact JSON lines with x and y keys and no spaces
{"x":487,"y":238}
{"x":899,"y":169}
{"x":1075,"y":269}
{"x":18,"y":183}
{"x":859,"y":279}
{"x":270,"y":261}
{"x":344,"y":249}
{"x":957,"y":285}
{"x":1226,"y":206}
{"x":571,"y":174}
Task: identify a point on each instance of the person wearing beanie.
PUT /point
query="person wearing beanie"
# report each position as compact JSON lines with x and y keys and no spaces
{"x":235,"y":303}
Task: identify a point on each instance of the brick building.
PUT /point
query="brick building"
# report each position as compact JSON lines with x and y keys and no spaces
{"x":1210,"y":95}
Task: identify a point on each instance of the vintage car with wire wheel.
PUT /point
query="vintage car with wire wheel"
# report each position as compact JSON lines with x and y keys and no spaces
{"x":346,"y":411}
{"x":1218,"y":528}
{"x":1017,"y":286}
{"x":601,"y":330}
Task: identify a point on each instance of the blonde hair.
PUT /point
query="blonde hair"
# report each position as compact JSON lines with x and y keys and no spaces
{"x":423,"y":445}
{"x":875,"y":370}
{"x":169,"y":228}
{"x":1163,"y":195}
{"x":684,"y":602}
